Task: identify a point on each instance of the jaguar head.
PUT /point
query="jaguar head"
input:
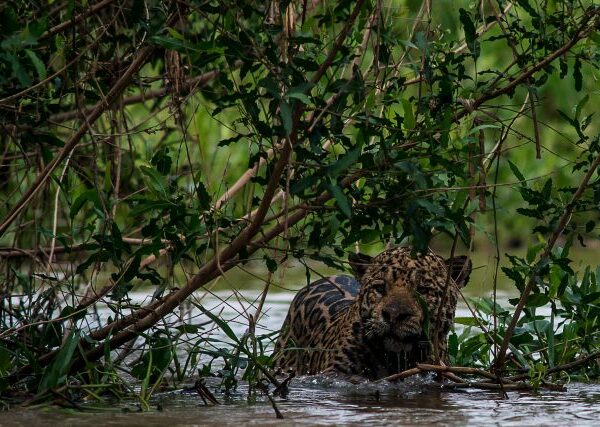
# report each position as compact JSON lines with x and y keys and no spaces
{"x":400,"y":294}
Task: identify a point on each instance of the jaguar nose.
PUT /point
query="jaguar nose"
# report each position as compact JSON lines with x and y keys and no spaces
{"x":395,"y":314}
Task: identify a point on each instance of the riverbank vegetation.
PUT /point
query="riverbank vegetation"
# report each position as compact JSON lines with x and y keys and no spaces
{"x":147,"y":147}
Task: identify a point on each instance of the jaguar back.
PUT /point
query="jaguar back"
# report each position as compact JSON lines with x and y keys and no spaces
{"x":313,"y":312}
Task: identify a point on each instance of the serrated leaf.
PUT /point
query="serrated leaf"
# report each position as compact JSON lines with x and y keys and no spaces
{"x":470,"y":32}
{"x":515,"y":170}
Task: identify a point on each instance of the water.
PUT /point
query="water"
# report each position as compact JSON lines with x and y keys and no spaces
{"x":324,"y":401}
{"x":317,"y":402}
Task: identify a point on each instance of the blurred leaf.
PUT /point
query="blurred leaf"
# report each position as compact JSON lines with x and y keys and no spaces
{"x":40,"y":67}
{"x":86,"y":196}
{"x":409,"y":117}
{"x":470,"y":32}
{"x":162,"y":161}
{"x":343,"y":163}
{"x":577,"y":75}
{"x":467,"y":321}
{"x":537,"y":300}
{"x":516,"y":171}
{"x":285,"y":112}
{"x":220,"y":323}
{"x":341,"y":199}
{"x":56,"y":373}
{"x":155,"y":182}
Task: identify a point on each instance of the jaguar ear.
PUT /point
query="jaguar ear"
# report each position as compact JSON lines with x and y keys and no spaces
{"x":359,"y":263}
{"x":460,"y":269}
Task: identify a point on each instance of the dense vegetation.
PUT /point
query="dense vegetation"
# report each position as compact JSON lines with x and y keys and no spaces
{"x":153,"y":145}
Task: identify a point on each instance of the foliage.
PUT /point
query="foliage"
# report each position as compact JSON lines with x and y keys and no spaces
{"x":125,"y":126}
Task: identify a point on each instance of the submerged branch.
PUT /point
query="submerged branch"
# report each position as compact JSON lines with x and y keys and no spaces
{"x":491,"y":382}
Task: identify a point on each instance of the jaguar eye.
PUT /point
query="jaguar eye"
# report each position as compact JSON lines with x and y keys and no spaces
{"x":379,"y":287}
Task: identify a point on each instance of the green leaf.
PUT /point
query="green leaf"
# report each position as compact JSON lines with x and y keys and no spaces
{"x":580,"y":105}
{"x":537,"y":300}
{"x":300,"y":97}
{"x":86,"y":196}
{"x":409,"y":117}
{"x":56,"y":373}
{"x":467,"y":321}
{"x":272,"y":89}
{"x":171,"y":43}
{"x":285,"y":111}
{"x":155,"y":182}
{"x":470,"y":32}
{"x":480,"y":127}
{"x":40,"y":67}
{"x":343,"y":163}
{"x":302,"y":184}
{"x":577,"y":75}
{"x":220,"y":323}
{"x":162,"y":161}
{"x":515,"y":171}
{"x":302,"y":88}
{"x":341,"y":199}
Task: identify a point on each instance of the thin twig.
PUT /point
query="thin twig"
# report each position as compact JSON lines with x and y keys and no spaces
{"x":41,"y":179}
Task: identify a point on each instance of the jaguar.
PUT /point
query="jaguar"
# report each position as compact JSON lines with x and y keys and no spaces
{"x":394,"y":313}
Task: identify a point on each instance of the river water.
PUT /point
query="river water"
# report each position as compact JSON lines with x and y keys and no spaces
{"x":323,"y":401}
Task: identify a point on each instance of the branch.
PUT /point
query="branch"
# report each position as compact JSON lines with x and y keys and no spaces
{"x":585,"y":28}
{"x":41,"y":179}
{"x":451,"y":371}
{"x":75,"y":20}
{"x":187,"y":86}
{"x":562,"y":368}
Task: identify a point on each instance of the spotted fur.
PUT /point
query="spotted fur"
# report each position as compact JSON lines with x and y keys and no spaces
{"x":376,"y":324}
